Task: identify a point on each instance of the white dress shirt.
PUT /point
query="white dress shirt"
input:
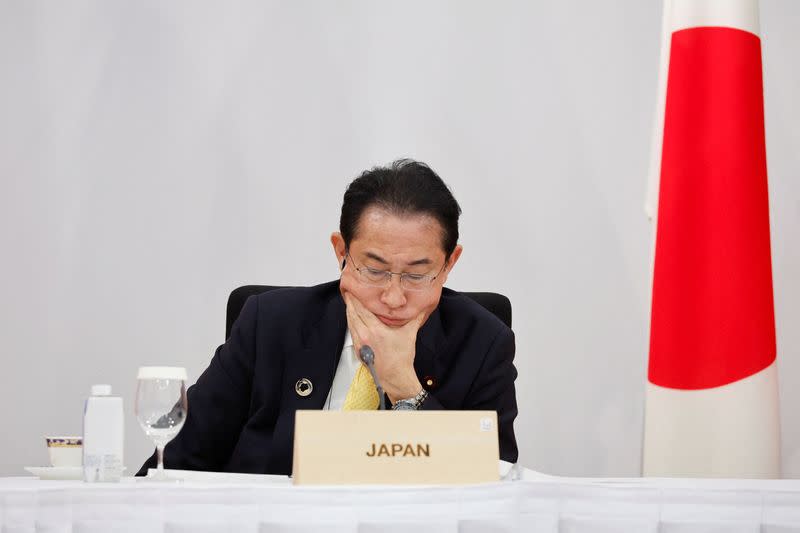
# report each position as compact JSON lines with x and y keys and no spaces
{"x":345,"y":372}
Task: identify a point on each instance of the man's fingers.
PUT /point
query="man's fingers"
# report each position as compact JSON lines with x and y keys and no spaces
{"x":365,"y":315}
{"x":356,"y":340}
{"x":353,"y":307}
{"x":358,"y":329}
{"x":416,"y":323}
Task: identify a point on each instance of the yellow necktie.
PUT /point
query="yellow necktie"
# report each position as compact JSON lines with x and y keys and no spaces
{"x":362,"y":394}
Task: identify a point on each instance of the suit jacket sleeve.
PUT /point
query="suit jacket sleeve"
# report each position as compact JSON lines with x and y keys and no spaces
{"x":218,"y":403}
{"x":493,"y":390}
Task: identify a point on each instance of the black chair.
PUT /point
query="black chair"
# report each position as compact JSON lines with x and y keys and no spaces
{"x":498,"y":304}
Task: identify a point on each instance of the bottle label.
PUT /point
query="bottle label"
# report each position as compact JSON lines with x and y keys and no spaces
{"x":102,"y":468}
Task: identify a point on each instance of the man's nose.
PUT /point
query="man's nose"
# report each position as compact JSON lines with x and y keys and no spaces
{"x":393,"y":295}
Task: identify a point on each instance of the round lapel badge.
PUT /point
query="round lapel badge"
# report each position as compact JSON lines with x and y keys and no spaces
{"x":303,"y":387}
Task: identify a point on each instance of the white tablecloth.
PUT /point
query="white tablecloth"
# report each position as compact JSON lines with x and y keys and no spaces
{"x":534,"y":504}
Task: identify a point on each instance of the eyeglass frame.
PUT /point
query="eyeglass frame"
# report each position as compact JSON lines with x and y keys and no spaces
{"x":388,"y":282}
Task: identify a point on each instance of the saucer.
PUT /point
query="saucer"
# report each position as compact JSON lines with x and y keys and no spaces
{"x":56,"y":472}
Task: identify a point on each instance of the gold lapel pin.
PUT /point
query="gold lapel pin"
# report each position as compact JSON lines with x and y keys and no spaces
{"x":303,"y":387}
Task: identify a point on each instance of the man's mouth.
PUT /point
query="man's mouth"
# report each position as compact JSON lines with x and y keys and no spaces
{"x":392,"y":322}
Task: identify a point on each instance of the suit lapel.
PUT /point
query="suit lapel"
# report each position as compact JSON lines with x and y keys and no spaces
{"x":323,"y":340}
{"x":430,"y":341}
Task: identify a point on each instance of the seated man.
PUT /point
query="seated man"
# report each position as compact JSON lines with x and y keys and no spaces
{"x":296,"y":348}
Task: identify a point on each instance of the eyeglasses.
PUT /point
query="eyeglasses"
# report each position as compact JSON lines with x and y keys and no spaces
{"x":382,"y":278}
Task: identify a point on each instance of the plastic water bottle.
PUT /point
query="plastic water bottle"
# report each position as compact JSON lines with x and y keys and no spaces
{"x":103,"y":435}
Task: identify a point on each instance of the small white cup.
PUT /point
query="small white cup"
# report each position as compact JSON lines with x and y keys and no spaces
{"x":65,"y":451}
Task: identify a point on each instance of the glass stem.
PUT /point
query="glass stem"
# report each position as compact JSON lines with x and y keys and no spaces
{"x":160,"y":454}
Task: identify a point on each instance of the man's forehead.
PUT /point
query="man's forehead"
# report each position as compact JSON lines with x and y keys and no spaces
{"x":382,"y":228}
{"x":377,"y":215}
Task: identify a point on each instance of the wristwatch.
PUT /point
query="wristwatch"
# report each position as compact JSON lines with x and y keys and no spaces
{"x":411,"y":404}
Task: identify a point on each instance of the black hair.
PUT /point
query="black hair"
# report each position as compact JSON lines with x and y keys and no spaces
{"x":406,"y":187}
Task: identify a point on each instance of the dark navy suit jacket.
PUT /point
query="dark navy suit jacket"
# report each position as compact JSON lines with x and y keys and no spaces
{"x":241,"y":410}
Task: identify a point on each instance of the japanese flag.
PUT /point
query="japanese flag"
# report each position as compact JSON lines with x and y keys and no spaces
{"x":712,"y":393}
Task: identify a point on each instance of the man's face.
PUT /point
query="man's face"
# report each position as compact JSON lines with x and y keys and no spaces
{"x":408,"y":244}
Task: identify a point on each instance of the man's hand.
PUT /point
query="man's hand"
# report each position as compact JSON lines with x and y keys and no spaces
{"x":394,"y":348}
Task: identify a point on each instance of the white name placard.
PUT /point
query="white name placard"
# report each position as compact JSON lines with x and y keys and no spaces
{"x":395,"y":447}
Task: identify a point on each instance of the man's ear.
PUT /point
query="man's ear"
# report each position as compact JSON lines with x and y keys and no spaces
{"x":454,"y":257}
{"x":339,"y":248}
{"x":452,"y":261}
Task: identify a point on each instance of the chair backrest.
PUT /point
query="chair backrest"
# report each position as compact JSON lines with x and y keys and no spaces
{"x":498,"y":304}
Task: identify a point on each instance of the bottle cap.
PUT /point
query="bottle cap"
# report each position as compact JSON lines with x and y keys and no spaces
{"x":101,"y":390}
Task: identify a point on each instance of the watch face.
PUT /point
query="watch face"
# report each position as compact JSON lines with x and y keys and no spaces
{"x":404,"y":405}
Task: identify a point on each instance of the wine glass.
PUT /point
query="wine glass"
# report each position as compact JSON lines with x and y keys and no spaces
{"x":161,"y":406}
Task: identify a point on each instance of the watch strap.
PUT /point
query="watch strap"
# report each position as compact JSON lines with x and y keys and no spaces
{"x":413,"y":403}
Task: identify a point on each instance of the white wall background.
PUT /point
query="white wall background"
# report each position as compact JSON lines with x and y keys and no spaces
{"x":155,"y":155}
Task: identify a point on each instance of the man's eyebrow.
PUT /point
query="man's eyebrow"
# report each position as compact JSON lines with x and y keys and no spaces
{"x":377,"y":258}
{"x":381,"y":260}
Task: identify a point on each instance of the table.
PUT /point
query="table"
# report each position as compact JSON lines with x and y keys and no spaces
{"x":536,"y":503}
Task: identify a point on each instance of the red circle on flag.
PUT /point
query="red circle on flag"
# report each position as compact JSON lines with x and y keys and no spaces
{"x":712,"y":319}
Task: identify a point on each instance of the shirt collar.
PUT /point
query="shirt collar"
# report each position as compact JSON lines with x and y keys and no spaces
{"x":349,"y":348}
